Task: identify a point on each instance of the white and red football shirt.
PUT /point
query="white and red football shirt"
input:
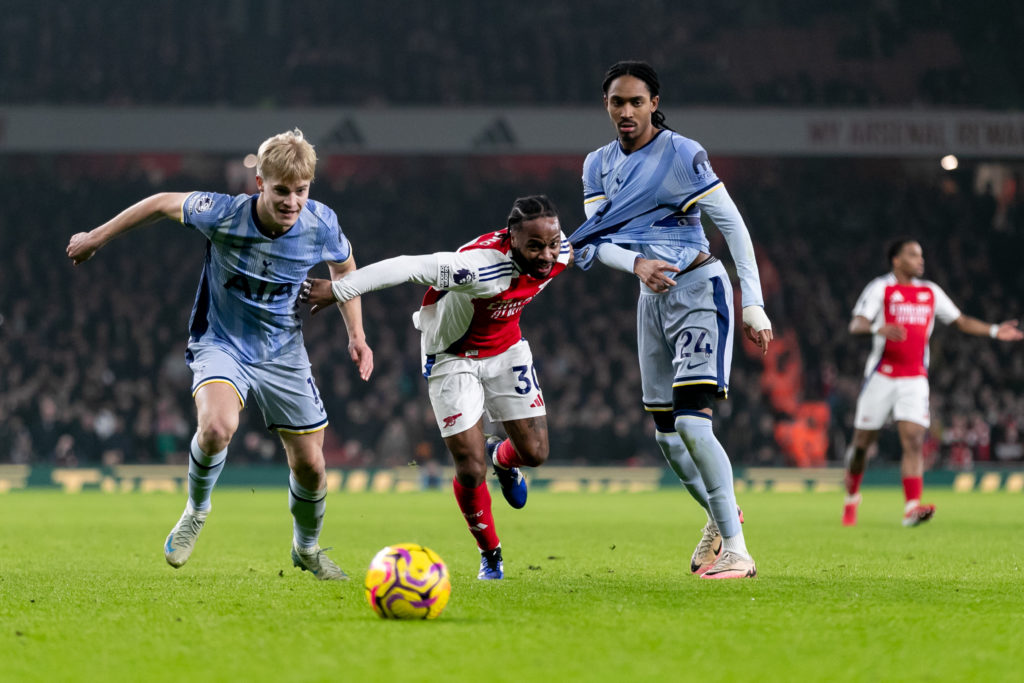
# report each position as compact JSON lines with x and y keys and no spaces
{"x":914,"y":307}
{"x":475,"y":310}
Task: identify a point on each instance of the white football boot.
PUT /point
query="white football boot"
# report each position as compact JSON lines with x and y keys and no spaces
{"x":182,"y":539}
{"x":708,"y":549}
{"x":315,"y":561}
{"x":731,"y":566}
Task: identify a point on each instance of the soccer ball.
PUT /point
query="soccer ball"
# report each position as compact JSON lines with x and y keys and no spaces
{"x":407,"y":581}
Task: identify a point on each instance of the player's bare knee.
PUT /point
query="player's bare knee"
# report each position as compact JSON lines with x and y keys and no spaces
{"x":470,"y":470}
{"x":913,"y":441}
{"x":215,"y":436}
{"x":310,"y":474}
{"x":913,"y":450}
{"x":536,"y":454}
{"x":470,"y":477}
{"x":531,"y":446}
{"x":863,"y":438}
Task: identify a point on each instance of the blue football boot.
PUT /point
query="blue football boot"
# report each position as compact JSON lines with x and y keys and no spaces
{"x":491,"y":565}
{"x":513,"y":483}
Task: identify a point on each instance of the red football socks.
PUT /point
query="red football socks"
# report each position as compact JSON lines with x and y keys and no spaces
{"x":507,"y":456}
{"x":475,"y":504}
{"x":912,"y":487}
{"x":853,"y":483}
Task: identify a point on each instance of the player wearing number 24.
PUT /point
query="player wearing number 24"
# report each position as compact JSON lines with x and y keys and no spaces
{"x":644,"y":194}
{"x":474,"y":356}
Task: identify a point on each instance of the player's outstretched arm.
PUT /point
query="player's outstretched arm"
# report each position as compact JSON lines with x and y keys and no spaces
{"x":352,"y":313}
{"x":892,"y":332}
{"x":1005,"y":331}
{"x":83,"y":245}
{"x":381,"y":275}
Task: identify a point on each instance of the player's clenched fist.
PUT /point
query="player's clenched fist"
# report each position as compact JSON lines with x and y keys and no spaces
{"x":317,"y":293}
{"x":81,"y":247}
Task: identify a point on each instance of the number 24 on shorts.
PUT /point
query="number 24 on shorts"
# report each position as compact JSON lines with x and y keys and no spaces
{"x":699,"y":346}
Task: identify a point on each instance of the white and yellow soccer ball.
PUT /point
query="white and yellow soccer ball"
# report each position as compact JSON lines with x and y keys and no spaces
{"x":407,"y":581}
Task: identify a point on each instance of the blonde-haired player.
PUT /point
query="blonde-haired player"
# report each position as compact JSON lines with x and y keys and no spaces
{"x":244,"y":337}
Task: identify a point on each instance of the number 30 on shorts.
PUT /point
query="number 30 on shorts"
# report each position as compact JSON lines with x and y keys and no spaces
{"x":527,"y":379}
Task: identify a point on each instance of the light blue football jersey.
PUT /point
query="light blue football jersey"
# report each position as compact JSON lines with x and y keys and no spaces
{"x":248,"y":293}
{"x":648,"y":198}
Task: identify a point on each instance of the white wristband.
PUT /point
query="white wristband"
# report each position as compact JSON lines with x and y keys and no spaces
{"x":876,"y":327}
{"x":993,"y":331}
{"x":756,"y":318}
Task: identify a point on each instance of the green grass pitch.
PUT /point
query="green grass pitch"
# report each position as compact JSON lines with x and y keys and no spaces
{"x":597,"y":588}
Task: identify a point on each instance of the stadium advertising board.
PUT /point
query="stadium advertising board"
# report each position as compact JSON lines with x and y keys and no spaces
{"x":509,"y":131}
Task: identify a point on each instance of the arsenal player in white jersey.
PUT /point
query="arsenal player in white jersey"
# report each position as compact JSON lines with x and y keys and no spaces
{"x":899,"y":311}
{"x":475,"y":358}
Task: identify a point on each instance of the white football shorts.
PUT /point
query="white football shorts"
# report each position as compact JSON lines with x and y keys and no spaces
{"x":903,"y":398}
{"x":506,"y":386}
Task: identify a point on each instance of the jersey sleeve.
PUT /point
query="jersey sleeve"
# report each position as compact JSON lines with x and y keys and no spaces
{"x":721,"y":209}
{"x":945,"y":310}
{"x":205,"y":211}
{"x":593,"y":188}
{"x":691,"y":172}
{"x":477,"y":272}
{"x":565,"y":251}
{"x":870,"y":302}
{"x":336,"y":247}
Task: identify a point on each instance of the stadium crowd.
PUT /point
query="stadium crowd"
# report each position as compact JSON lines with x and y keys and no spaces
{"x":91,"y":358}
{"x":235,"y":53}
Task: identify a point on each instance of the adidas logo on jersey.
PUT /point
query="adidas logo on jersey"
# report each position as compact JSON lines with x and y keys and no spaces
{"x":537,"y":402}
{"x":896,"y":296}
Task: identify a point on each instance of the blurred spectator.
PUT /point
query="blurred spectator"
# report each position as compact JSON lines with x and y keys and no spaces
{"x":1009,"y":446}
{"x":935,"y":52}
{"x":46,"y":431}
{"x":77,"y":348}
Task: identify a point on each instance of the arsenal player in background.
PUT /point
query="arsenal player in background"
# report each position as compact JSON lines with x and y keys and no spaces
{"x":899,"y":311}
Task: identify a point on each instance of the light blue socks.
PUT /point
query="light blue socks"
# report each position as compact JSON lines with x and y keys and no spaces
{"x":203,"y":471}
{"x":715,"y":469}
{"x":674,"y":450}
{"x":307,"y":512}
